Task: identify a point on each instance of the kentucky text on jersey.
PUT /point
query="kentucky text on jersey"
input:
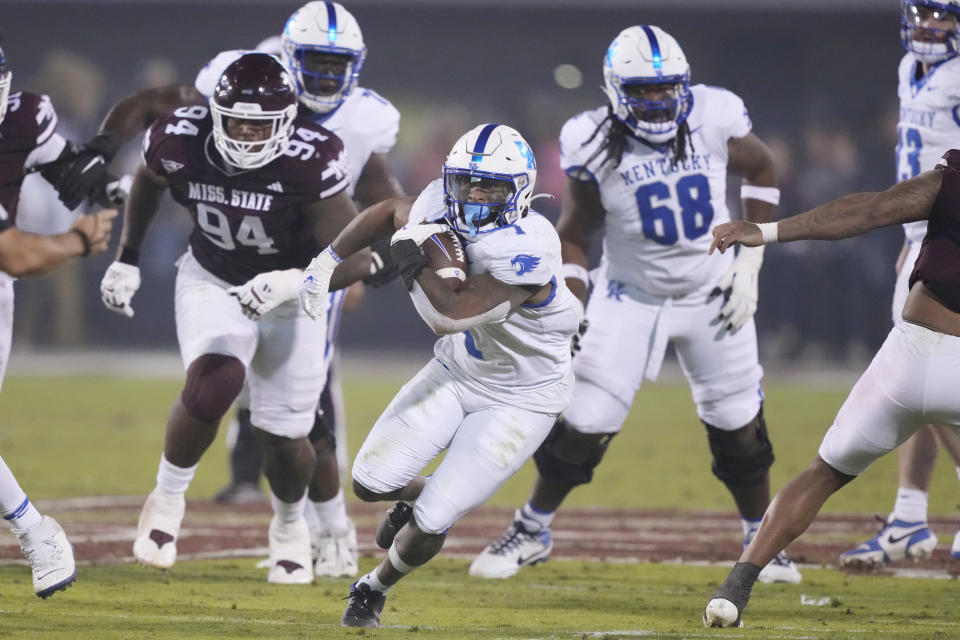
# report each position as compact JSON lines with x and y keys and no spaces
{"x":664,"y":167}
{"x":237,"y":197}
{"x":917,"y":117}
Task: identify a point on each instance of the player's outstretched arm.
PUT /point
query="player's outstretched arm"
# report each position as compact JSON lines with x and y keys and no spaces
{"x":25,"y":254}
{"x":132,"y":115}
{"x":848,"y":216}
{"x":581,"y":215}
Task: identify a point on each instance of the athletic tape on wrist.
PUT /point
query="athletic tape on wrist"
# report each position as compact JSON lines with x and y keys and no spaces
{"x":576,"y":271}
{"x":768,"y":231}
{"x":764,"y":194}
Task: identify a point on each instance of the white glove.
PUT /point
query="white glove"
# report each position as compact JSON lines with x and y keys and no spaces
{"x":316,"y":283}
{"x":739,"y":287}
{"x":118,"y":190}
{"x":417,"y":232}
{"x":266,"y":291}
{"x":119,"y":284}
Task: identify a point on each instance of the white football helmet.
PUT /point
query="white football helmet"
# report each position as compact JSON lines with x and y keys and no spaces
{"x":918,"y":34}
{"x":648,"y":55}
{"x":323,"y":28}
{"x":488,"y":179}
{"x":254,"y":88}
{"x":6,"y":77}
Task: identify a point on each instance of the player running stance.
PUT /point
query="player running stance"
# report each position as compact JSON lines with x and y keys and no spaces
{"x":29,"y":140}
{"x":266,"y":190}
{"x":929,"y":90}
{"x":911,"y":381}
{"x":502,"y":369}
{"x":651,"y":170}
{"x":323,"y":47}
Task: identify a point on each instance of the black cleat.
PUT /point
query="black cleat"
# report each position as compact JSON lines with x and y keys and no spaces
{"x":397,"y":516}
{"x":364,"y":607}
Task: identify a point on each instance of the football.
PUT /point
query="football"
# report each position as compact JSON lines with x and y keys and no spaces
{"x":446,"y":256}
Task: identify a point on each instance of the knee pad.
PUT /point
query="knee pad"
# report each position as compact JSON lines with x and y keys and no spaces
{"x":743,"y":456}
{"x":569,"y":457}
{"x":213,"y":382}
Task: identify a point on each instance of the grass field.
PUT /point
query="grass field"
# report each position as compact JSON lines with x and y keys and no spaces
{"x":72,"y":437}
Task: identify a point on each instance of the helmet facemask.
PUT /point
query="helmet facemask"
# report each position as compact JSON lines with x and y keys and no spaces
{"x":931,"y":30}
{"x":6,"y":77}
{"x":251,"y":152}
{"x":325,"y":75}
{"x":655,"y":107}
{"x":480,"y":202}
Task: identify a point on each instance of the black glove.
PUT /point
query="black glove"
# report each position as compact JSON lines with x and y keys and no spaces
{"x":575,"y":340}
{"x":409,"y":259}
{"x":382,"y":267}
{"x":82,"y":173}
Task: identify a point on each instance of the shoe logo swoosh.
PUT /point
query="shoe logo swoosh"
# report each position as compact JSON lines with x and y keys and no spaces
{"x":893,"y":540}
{"x":521,"y":560}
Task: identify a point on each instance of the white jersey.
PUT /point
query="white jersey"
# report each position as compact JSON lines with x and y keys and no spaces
{"x":929,"y":122}
{"x":659,"y":215}
{"x":366,"y":122}
{"x":525,"y":360}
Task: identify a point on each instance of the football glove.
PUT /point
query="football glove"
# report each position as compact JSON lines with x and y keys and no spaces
{"x":266,"y":291}
{"x":119,"y":284}
{"x":575,"y":340}
{"x":382,"y":267}
{"x":739,"y":288}
{"x":405,"y":249}
{"x":315,"y":285}
{"x":83,"y":174}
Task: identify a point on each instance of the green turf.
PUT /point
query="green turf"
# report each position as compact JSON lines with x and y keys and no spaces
{"x":100,"y":436}
{"x":104,"y":436}
{"x":231,"y":599}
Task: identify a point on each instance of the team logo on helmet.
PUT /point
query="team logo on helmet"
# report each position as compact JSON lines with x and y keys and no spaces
{"x":488,"y":180}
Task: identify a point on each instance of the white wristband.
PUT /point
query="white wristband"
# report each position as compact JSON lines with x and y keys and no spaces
{"x":577,"y":272}
{"x":764,"y":194}
{"x":768,"y":231}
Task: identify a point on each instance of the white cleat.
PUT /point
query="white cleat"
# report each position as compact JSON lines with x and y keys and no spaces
{"x":955,"y":547}
{"x":780,"y":569}
{"x":50,"y":555}
{"x":335,"y":552}
{"x":720,"y":612}
{"x":290,"y":552}
{"x":516,"y":548}
{"x":158,"y":528}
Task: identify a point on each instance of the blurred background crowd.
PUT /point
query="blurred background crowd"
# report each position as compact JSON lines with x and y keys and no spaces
{"x":818,"y":78}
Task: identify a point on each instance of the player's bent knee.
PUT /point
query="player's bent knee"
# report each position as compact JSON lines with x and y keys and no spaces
{"x":213,"y":382}
{"x":568,"y":457}
{"x":365,"y":494}
{"x":741,"y":457}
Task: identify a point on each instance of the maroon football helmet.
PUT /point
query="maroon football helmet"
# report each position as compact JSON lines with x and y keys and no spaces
{"x":253,"y":91}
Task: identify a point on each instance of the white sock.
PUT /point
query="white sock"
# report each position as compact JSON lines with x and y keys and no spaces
{"x":288,"y":511}
{"x":173,"y":479}
{"x":750,"y":525}
{"x":331,"y":514}
{"x":911,"y":505}
{"x":958,"y":472}
{"x":534,"y":520}
{"x":373,"y":581}
{"x":15,"y":507}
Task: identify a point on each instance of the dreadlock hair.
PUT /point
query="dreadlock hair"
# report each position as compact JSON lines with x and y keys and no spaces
{"x":615,"y":142}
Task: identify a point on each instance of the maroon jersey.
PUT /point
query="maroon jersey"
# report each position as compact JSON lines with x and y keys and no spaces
{"x":938,"y":265}
{"x":30,"y":123}
{"x":246,"y":221}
